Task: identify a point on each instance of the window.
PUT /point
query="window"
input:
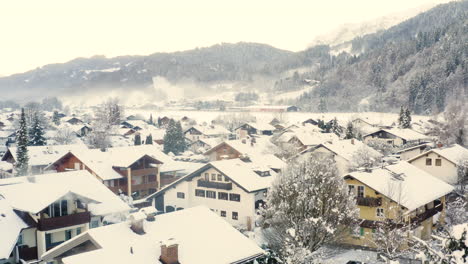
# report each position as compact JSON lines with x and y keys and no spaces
{"x":151,"y":190}
{"x":351,"y":190}
{"x":428,"y":162}
{"x":357,"y":231}
{"x":207,"y":176}
{"x":234,"y":197}
{"x":180,"y":195}
{"x":48,"y":239}
{"x":235,"y":215}
{"x":220,"y":177}
{"x":64,"y":205}
{"x":199,"y":193}
{"x":68,"y":235}
{"x":151,"y":178}
{"x":78,"y":231}
{"x":360,"y":192}
{"x":222,"y":196}
{"x":213,"y":176}
{"x":438,"y":162}
{"x":223,"y":213}
{"x":226,"y":179}
{"x":211,"y":194}
{"x":380,"y":212}
{"x":20,"y":240}
{"x":94,"y":224}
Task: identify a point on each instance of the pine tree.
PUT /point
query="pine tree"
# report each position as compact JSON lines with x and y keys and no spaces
{"x":460,"y":137}
{"x":137,"y":139}
{"x":149,"y":140}
{"x":22,"y":159}
{"x":174,"y":139}
{"x":322,"y":107}
{"x":349,"y":131}
{"x":401,"y":118}
{"x":56,"y":118}
{"x":407,"y":120}
{"x":37,"y":133}
{"x":151,"y":120}
{"x":334,"y":127}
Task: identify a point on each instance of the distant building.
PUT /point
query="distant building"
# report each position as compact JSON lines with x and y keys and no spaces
{"x":397,"y":136}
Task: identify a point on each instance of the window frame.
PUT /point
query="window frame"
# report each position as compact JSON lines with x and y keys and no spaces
{"x":359,"y":188}
{"x":198,"y":193}
{"x":235,"y":215}
{"x":211,"y":194}
{"x":232,"y":195}
{"x":223,"y":193}
{"x":223,"y":213}
{"x":428,"y":162}
{"x":438,"y":162}
{"x":380,"y":212}
{"x":180,"y":195}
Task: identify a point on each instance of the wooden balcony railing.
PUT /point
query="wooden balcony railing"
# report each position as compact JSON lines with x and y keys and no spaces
{"x":45,"y":224}
{"x":142,"y":172}
{"x":369,"y":201}
{"x":215,"y":185}
{"x":427,"y":214}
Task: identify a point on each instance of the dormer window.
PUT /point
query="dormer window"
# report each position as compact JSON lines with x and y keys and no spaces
{"x":263,"y":173}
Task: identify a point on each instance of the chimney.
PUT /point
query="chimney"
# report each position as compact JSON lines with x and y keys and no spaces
{"x":440,"y":145}
{"x":136,"y":222}
{"x":352,"y":141}
{"x":169,"y":252}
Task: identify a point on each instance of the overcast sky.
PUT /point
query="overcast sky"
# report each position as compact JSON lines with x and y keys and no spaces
{"x":35,"y":33}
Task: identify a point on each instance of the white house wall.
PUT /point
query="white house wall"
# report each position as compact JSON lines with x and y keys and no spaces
{"x":446,"y":172}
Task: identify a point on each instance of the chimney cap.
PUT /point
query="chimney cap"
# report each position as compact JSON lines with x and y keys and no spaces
{"x":169,"y":242}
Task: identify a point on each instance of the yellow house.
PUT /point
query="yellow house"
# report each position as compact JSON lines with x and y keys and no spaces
{"x":399,"y":195}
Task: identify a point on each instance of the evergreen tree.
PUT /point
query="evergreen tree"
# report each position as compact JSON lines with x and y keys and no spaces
{"x":322,"y":107}
{"x":56,"y":118}
{"x":174,"y":139}
{"x":349,"y":131}
{"x":460,"y":137}
{"x":151,"y":120}
{"x":407,"y":119}
{"x":37,"y":133}
{"x":334,"y":127}
{"x":22,"y":159}
{"x":401,"y":118}
{"x":137,"y":139}
{"x":149,"y":140}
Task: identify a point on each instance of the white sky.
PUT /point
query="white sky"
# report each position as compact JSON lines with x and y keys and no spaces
{"x":37,"y":32}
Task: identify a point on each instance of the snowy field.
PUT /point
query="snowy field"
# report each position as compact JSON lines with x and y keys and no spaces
{"x":289,"y":117}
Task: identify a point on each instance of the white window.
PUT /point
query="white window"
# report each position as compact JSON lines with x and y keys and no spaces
{"x":77,"y":165}
{"x":380,"y":212}
{"x":352,"y":189}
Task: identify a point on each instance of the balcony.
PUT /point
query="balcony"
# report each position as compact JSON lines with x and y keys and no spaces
{"x":369,"y":201}
{"x":427,"y":214}
{"x":215,"y":185}
{"x":142,"y":172}
{"x":46,"y":224}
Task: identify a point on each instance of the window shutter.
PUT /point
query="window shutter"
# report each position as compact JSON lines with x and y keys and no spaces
{"x":362,"y":231}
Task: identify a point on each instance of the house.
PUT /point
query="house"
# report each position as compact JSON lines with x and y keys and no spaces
{"x":190,"y":236}
{"x":232,"y":189}
{"x":272,"y":108}
{"x":442,"y":162}
{"x":310,"y":121}
{"x":303,"y":139}
{"x":74,"y":121}
{"x":204,"y":144}
{"x":45,"y":210}
{"x":346,"y":153}
{"x":117,"y":167}
{"x":397,"y":136}
{"x":163,"y":122}
{"x":397,"y":195}
{"x":411,"y":152}
{"x":212,"y":131}
{"x":249,"y":129}
{"x":256,"y":150}
{"x":42,"y":156}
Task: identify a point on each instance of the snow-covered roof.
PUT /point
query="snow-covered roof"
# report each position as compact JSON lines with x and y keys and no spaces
{"x":45,"y":155}
{"x":404,"y":183}
{"x":44,"y":189}
{"x":454,"y":153}
{"x":311,"y":138}
{"x":405,"y":133}
{"x":243,"y":174}
{"x":201,"y":236}
{"x":102,"y":163}
{"x":211,"y":130}
{"x":347,"y":148}
{"x":259,"y":152}
{"x":10,"y":228}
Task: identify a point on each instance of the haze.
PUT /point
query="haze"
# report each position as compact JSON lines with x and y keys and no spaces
{"x":35,"y":33}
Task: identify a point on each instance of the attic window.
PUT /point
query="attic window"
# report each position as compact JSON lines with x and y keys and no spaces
{"x":428,"y":162}
{"x":263,"y":173}
{"x":438,"y":162}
